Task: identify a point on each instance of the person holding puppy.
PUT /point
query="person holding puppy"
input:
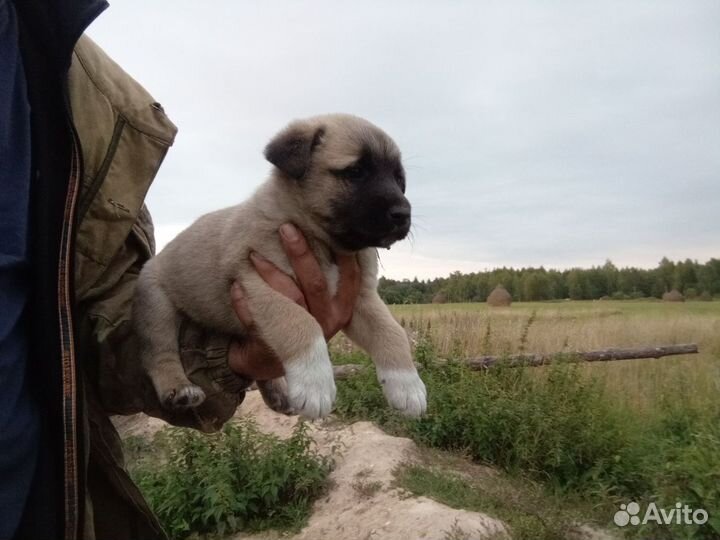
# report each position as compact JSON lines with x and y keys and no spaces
{"x":80,"y":143}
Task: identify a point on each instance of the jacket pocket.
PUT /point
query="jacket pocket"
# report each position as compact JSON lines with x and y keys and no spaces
{"x":114,"y":208}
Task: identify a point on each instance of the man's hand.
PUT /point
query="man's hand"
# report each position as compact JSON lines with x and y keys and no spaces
{"x":252,"y":358}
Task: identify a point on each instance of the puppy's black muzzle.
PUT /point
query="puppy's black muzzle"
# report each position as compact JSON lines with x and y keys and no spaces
{"x":377,"y":214}
{"x":399,"y":215}
{"x":394,"y":224}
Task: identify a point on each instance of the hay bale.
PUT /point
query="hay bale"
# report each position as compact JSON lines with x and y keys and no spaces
{"x":499,"y":297}
{"x":439,"y":298}
{"x":673,"y":296}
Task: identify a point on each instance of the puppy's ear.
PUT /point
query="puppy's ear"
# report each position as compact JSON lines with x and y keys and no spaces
{"x":291,"y":149}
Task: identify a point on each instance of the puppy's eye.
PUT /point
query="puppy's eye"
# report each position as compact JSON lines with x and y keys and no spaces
{"x":399,"y":175}
{"x":351,"y":172}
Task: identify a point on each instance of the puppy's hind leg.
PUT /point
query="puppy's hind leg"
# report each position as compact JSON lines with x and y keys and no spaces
{"x":157,"y":324}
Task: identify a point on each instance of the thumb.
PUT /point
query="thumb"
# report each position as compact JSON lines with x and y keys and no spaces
{"x":240,"y":305}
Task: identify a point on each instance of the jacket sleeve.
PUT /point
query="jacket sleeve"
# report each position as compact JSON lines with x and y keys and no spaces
{"x":108,"y":347}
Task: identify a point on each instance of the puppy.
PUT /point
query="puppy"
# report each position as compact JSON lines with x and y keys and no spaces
{"x":340,"y":180}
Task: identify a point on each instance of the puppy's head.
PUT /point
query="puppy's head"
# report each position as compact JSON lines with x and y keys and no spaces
{"x":349,"y":178}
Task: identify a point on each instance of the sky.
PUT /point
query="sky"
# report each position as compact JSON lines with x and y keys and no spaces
{"x":557,"y":133}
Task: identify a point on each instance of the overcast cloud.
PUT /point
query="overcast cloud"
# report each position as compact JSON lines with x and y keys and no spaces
{"x":533,"y":133}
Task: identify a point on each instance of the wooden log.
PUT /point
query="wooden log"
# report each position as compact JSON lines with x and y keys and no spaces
{"x":602,"y":355}
{"x":346,"y":371}
{"x":531,"y":360}
{"x":631,"y":354}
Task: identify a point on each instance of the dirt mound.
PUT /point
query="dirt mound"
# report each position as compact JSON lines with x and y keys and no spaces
{"x":138,"y":425}
{"x":362,"y":502}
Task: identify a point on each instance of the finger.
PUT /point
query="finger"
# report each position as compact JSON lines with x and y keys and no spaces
{"x":348,"y":284}
{"x":307,"y":270}
{"x":277,"y":279}
{"x":239,"y":304}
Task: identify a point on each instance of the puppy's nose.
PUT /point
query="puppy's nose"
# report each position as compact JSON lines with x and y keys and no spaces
{"x":400,"y":214}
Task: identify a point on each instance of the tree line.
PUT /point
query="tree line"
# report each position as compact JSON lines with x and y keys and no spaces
{"x":694,"y":280}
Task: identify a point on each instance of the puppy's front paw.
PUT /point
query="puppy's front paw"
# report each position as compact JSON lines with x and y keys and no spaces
{"x":404,"y":390}
{"x":310,"y":382}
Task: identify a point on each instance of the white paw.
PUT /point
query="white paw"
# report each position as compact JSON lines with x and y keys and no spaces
{"x":310,"y":382}
{"x":404,"y":390}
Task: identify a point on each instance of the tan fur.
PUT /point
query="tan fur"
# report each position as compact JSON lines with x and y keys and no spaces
{"x":193,"y":275}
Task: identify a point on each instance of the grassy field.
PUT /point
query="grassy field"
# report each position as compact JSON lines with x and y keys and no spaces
{"x":583,"y":438}
{"x":543,"y":449}
{"x":476,"y":329}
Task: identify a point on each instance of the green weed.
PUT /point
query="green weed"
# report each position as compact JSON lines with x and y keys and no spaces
{"x":238,"y":479}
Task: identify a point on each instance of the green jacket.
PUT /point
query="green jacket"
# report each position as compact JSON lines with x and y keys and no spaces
{"x":122,"y":136}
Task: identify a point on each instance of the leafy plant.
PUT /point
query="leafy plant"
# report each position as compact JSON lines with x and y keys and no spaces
{"x":238,"y":479}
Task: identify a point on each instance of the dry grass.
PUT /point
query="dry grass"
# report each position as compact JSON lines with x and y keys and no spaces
{"x":474,"y":329}
{"x":648,"y":433}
